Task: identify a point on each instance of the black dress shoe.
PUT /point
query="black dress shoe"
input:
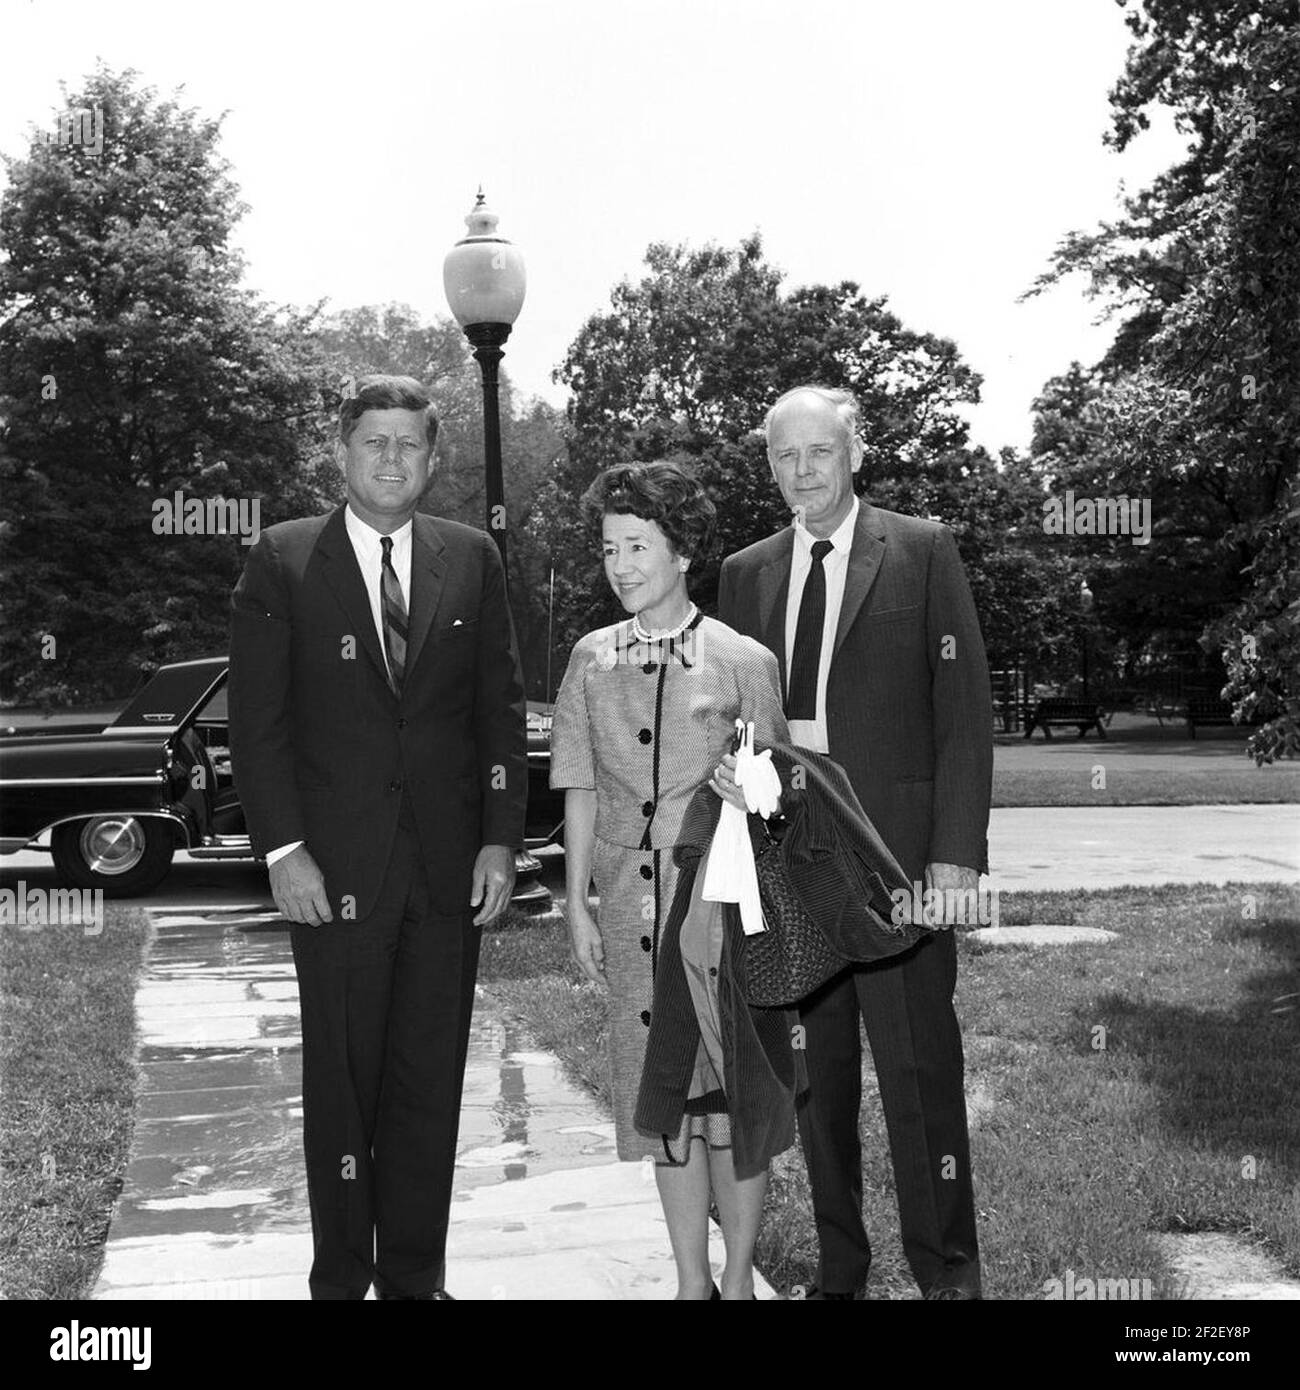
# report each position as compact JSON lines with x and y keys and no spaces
{"x":438,"y":1295}
{"x":816,"y":1295}
{"x":715,"y":1294}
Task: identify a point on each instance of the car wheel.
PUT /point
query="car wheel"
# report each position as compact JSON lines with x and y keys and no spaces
{"x":125,"y":856}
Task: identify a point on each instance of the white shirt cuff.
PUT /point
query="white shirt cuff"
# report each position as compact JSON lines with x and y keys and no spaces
{"x":275,"y":854}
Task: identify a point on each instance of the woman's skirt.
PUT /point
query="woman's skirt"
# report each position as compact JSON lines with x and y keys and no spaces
{"x":636,"y":890}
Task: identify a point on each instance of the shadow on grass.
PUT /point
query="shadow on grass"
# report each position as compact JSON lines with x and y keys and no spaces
{"x":1223,"y":1083}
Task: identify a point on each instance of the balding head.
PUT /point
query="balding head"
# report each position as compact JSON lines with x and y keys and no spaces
{"x":844,"y":405}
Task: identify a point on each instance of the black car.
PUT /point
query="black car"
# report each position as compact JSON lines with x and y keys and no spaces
{"x":119,"y":800}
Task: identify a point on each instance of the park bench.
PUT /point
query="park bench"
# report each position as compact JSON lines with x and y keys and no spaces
{"x":1163,"y":706}
{"x":1207,"y":710}
{"x":1083,"y":714}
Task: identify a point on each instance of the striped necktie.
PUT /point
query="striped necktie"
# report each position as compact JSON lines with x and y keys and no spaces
{"x":394,"y":611}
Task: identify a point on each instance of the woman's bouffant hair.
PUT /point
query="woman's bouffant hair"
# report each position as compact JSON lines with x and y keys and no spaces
{"x":662,"y":492}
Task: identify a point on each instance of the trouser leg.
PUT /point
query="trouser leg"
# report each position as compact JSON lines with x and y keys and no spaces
{"x":828,"y":1131}
{"x":916,"y":1046}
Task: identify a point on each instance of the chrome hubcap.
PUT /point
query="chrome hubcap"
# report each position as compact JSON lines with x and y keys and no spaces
{"x":112,"y":844}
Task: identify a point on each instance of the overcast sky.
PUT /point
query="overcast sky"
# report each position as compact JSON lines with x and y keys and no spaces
{"x":933,"y":151}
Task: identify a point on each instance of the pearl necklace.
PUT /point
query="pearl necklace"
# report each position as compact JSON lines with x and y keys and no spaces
{"x":643,"y":636}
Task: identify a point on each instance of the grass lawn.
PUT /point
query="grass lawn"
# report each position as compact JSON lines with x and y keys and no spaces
{"x":67,"y":1097}
{"x":1071,"y":784}
{"x":1180,"y":1116}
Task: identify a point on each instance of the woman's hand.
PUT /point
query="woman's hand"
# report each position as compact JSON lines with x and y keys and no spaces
{"x":724,"y":783}
{"x":588,"y":949}
{"x":766,"y":786}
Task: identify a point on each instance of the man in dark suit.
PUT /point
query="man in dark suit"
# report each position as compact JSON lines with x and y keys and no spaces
{"x":883,"y":668}
{"x":377,"y":735}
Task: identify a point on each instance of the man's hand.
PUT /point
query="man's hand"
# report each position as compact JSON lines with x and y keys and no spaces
{"x":588,"y":948}
{"x":494,"y":882}
{"x":946,"y":879}
{"x":298,"y":887}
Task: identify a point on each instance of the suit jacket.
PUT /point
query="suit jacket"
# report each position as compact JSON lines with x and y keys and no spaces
{"x":837,"y":862}
{"x":908,"y":703}
{"x":322,"y":749}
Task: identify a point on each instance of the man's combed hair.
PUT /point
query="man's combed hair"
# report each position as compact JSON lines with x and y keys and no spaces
{"x":387,"y":393}
{"x":662,"y":492}
{"x":845,"y":403}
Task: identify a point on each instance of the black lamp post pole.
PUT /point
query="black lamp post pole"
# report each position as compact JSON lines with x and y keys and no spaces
{"x":1085,"y":621}
{"x":487,"y":339}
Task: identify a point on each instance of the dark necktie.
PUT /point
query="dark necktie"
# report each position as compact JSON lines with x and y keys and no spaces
{"x":801,"y":697}
{"x":393,"y":607}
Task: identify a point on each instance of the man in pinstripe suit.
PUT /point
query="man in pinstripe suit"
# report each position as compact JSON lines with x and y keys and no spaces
{"x":883,"y":668}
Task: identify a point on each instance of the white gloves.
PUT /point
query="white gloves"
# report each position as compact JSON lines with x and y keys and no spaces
{"x":754,"y":772}
{"x":729,"y":874}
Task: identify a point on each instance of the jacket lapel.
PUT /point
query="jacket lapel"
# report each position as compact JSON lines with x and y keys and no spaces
{"x":343,"y":575}
{"x":865,"y":555}
{"x":428,"y":572}
{"x":773,"y":587}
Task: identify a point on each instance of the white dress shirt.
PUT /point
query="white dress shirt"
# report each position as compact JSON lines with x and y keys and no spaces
{"x":370,"y":556}
{"x":812,"y":732}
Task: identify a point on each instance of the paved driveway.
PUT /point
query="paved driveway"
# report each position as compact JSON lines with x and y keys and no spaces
{"x":1109,"y":846}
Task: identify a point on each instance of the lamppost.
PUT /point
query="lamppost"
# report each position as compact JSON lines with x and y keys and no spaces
{"x":483,"y":277}
{"x":1085,"y":604}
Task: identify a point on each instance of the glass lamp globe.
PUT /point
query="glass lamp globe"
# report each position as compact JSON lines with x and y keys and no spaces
{"x":483,"y":274}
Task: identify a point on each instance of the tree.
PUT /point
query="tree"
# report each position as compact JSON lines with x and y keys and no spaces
{"x":1026,"y":590}
{"x":1153,"y":600}
{"x":133,"y":366}
{"x":1199,"y":400}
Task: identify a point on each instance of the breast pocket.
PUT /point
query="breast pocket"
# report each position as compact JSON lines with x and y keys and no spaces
{"x":457,"y":632}
{"x":454,"y":646}
{"x":885,"y":616}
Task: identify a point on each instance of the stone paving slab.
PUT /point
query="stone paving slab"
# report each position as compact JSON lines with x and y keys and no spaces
{"x":136,"y":1263}
{"x":214,"y":1104}
{"x":1042,"y":934}
{"x":179,"y":1071}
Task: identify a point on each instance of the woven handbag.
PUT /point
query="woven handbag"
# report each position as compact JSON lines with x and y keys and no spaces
{"x":792,"y":958}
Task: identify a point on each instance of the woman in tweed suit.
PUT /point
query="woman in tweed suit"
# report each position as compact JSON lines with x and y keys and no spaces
{"x":644,"y":716}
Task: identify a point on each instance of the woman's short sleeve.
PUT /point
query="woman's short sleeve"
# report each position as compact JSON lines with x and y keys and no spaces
{"x":760,"y":698}
{"x":572,"y":763}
